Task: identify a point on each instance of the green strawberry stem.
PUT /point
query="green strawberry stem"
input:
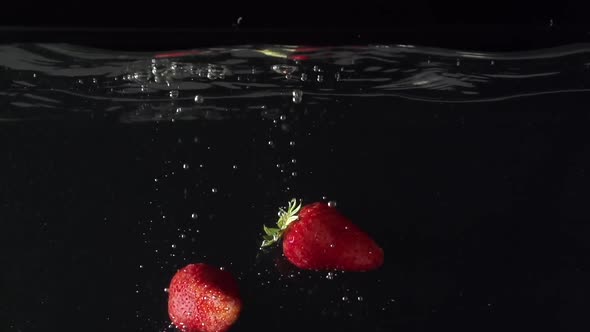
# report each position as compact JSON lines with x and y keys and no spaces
{"x":286,"y":217}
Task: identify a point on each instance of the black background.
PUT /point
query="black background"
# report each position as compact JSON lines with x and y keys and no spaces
{"x":481,"y":25}
{"x":289,"y":14}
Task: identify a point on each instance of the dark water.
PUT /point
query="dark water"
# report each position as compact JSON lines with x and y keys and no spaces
{"x":469,"y":169}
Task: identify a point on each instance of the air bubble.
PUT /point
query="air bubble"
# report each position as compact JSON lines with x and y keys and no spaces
{"x":179,"y":110}
{"x":303,"y":77}
{"x":271,"y":143}
{"x":185,"y":166}
{"x":141,"y":76}
{"x":283,"y":117}
{"x":360,"y":298}
{"x":332,"y":203}
{"x":297,"y":96}
{"x":320,"y":78}
{"x":166,"y":290}
{"x":173,"y":246}
{"x":173,"y":93}
{"x":194,"y":216}
{"x":345,"y":298}
{"x":214,"y":190}
{"x":198,"y":99}
{"x":293,"y":161}
{"x":294,"y":174}
{"x":292,"y":143}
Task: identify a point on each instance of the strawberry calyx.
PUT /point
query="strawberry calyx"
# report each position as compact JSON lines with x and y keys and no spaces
{"x":286,"y":217}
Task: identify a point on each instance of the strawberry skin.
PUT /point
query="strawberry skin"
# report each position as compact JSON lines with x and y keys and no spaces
{"x":318,"y":237}
{"x":203,"y":298}
{"x":322,"y":238}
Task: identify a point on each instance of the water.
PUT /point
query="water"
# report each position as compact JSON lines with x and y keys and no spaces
{"x":469,"y":169}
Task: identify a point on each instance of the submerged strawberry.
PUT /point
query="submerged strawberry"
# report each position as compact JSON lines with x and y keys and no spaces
{"x":203,"y":298}
{"x":318,"y":237}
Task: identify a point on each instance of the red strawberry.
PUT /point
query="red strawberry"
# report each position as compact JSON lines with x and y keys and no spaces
{"x":203,"y":298}
{"x":318,"y":237}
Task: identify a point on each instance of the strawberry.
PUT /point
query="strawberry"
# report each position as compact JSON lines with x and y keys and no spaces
{"x":203,"y":298}
{"x":318,"y":237}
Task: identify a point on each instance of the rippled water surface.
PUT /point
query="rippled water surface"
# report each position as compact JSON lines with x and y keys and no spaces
{"x":470,"y":170}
